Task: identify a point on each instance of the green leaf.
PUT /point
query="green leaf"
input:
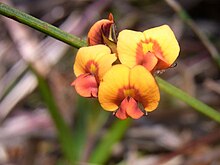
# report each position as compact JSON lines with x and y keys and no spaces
{"x":191,"y":101}
{"x":103,"y":151}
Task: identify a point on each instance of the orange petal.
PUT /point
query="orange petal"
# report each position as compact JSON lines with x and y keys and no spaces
{"x":147,"y":91}
{"x":129,"y":107}
{"x":149,"y":61}
{"x":114,"y":80}
{"x":98,"y":55}
{"x":105,"y":63}
{"x":100,"y":27}
{"x":165,"y":45}
{"x":120,"y":82}
{"x":86,"y":85}
{"x":127,"y":46}
{"x":132,"y":109}
{"x":110,"y":17}
{"x":121,"y":112}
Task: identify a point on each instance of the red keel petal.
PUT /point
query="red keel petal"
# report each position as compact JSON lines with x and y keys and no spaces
{"x":121,"y":112}
{"x":86,"y":85}
{"x":133,"y":110}
{"x":129,"y":107}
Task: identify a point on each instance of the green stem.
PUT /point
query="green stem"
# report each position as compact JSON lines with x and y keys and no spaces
{"x":191,"y":101}
{"x":41,"y":26}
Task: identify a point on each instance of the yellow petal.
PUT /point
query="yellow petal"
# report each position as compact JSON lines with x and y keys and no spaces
{"x":127,"y":46}
{"x":115,"y":79}
{"x":88,"y":54}
{"x":105,"y":63}
{"x":167,"y":42}
{"x":145,"y":85}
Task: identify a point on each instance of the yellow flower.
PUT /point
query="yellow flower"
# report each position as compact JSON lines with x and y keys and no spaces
{"x":155,"y":48}
{"x":90,"y":65}
{"x":124,"y":89}
{"x":127,"y":89}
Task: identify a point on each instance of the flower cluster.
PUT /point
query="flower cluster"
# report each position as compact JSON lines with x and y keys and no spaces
{"x":119,"y":69}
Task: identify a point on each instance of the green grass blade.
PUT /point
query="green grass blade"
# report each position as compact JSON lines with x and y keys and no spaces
{"x":103,"y":151}
{"x":41,"y":26}
{"x":80,"y":126}
{"x":65,"y":136}
{"x":191,"y":101}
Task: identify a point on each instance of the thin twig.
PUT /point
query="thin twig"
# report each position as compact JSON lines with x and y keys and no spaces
{"x":212,"y":85}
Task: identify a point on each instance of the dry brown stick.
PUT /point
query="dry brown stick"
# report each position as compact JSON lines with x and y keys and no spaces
{"x":201,"y":35}
{"x":212,"y":85}
{"x":11,"y":77}
{"x":24,"y":87}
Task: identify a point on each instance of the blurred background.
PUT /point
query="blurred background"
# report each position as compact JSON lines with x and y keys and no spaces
{"x":174,"y":134}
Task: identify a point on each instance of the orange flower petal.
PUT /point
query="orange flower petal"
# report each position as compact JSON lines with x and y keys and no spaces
{"x":102,"y":27}
{"x":110,"y":17}
{"x":127,"y":46}
{"x":149,"y":61}
{"x":121,"y":112}
{"x":86,"y":85}
{"x":165,"y":45}
{"x":116,"y":78}
{"x":105,"y":63}
{"x":93,"y":59}
{"x":147,"y":90}
{"x":132,"y":109}
{"x":155,"y":49}
{"x":129,"y":107}
{"x":121,"y":82}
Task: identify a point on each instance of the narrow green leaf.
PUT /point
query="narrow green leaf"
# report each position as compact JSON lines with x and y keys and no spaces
{"x":65,"y":136}
{"x":80,"y":126}
{"x":191,"y":101}
{"x":103,"y":151}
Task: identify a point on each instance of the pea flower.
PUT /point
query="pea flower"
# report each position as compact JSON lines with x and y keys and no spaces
{"x":155,"y":48}
{"x":90,"y":65}
{"x":102,"y":30}
{"x":125,"y":91}
{"x":119,"y":70}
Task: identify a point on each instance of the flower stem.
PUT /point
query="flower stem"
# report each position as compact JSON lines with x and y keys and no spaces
{"x":191,"y":101}
{"x":41,"y":26}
